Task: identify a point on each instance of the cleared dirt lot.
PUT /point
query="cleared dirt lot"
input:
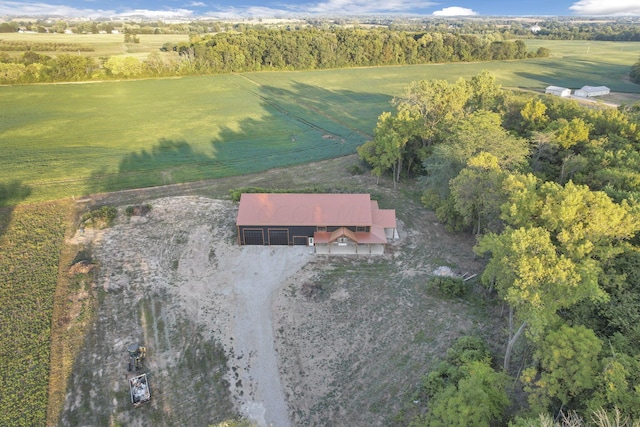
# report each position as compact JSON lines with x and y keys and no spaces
{"x":278,"y":335}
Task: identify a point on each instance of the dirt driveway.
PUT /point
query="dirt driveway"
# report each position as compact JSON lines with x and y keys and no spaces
{"x":278,"y":335}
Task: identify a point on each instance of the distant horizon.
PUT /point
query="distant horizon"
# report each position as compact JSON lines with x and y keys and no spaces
{"x":306,"y":9}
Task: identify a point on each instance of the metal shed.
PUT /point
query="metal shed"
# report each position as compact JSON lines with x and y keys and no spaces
{"x":558,"y":91}
{"x":588,"y":91}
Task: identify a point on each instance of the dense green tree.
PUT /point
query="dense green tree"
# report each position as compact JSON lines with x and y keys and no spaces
{"x":635,"y":72}
{"x":434,"y":102}
{"x":616,"y":386}
{"x":486,"y":93}
{"x":71,"y":68}
{"x":124,"y":66}
{"x":478,"y":192}
{"x":584,"y":224}
{"x":386,"y":151}
{"x":533,"y":278}
{"x":534,"y":117}
{"x":567,"y":365}
{"x":569,"y":133}
{"x":479,"y":398}
{"x":478,"y":132}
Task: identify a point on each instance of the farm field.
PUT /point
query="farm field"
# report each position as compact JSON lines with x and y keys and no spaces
{"x":31,"y":238}
{"x":75,"y":139}
{"x":69,"y":140}
{"x":103,"y":44}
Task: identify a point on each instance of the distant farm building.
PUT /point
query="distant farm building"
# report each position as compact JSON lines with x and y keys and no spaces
{"x":588,"y":91}
{"x":558,"y":91}
{"x":331,"y":223}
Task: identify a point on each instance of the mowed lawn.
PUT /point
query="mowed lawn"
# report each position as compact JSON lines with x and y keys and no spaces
{"x":65,"y":140}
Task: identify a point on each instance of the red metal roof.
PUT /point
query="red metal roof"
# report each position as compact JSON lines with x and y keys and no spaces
{"x":385,"y":218}
{"x":289,"y":209}
{"x":360,"y":237}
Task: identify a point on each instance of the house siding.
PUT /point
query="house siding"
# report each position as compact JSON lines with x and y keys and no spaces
{"x":269,"y":232}
{"x":248,"y":235}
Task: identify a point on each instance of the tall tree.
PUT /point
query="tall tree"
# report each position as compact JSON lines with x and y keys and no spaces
{"x":532,"y":277}
{"x":567,"y":365}
{"x":434,"y":102}
{"x":485,"y":92}
{"x":478,"y":192}
{"x":386,"y":151}
{"x":534,"y":117}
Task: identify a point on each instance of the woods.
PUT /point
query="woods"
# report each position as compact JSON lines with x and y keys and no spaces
{"x":547,"y":187}
{"x":258,"y":49}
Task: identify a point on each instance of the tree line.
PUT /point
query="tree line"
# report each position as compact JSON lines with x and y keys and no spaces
{"x":267,"y":49}
{"x":635,"y":72}
{"x":551,"y":189}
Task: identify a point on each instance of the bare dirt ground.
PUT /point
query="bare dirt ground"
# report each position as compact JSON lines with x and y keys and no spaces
{"x":277,"y":335}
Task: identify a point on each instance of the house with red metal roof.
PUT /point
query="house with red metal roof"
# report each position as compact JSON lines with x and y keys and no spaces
{"x":331,"y":223}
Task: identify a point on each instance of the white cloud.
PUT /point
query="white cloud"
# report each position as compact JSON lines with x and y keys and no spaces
{"x":37,"y":9}
{"x":606,"y":7}
{"x":285,"y":8}
{"x":454,"y":11}
{"x":13,"y":8}
{"x":157,"y":14}
{"x":362,"y":7}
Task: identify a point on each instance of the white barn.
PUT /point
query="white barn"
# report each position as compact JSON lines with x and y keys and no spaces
{"x":558,"y":91}
{"x":588,"y":91}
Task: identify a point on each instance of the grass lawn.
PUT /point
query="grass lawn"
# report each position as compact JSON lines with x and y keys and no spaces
{"x":65,"y":140}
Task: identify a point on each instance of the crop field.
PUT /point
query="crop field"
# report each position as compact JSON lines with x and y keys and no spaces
{"x":103,"y":44}
{"x":64,"y":140}
{"x":31,"y":238}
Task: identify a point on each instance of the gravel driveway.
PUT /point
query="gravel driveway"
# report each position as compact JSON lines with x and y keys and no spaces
{"x":262,"y":272}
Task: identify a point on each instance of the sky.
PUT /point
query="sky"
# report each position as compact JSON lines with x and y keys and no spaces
{"x":169,"y":9}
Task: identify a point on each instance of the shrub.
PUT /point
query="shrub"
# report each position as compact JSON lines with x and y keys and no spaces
{"x":138,"y":210}
{"x":450,"y":287}
{"x":100,"y":218}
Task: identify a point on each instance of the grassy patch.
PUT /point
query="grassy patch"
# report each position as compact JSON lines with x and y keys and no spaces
{"x":72,"y":140}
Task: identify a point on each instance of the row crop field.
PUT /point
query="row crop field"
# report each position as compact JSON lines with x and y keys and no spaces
{"x":64,"y":140}
{"x":31,"y":238}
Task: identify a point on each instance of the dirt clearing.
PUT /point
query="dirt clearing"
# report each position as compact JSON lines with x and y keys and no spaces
{"x":276,"y":334}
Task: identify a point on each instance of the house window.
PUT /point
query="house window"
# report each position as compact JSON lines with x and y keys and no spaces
{"x":361,"y":228}
{"x":322,"y":228}
{"x":343,"y":240}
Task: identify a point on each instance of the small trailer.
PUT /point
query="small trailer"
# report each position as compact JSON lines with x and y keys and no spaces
{"x":140,"y":392}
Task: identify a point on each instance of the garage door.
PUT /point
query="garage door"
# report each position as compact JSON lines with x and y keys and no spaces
{"x":300,"y":240}
{"x":253,"y":237}
{"x":279,"y":237}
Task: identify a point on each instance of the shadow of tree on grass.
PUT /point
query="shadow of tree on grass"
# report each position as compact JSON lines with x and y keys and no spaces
{"x":11,"y":193}
{"x":300,"y":125}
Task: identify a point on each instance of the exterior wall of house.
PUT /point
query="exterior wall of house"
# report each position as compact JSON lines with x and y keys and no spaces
{"x":279,"y":235}
{"x":334,"y":249}
{"x":274,"y":235}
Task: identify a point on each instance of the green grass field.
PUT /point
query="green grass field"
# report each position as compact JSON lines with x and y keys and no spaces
{"x":65,"y":140}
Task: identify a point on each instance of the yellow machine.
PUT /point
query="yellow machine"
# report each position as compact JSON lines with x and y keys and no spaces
{"x":137,"y":354}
